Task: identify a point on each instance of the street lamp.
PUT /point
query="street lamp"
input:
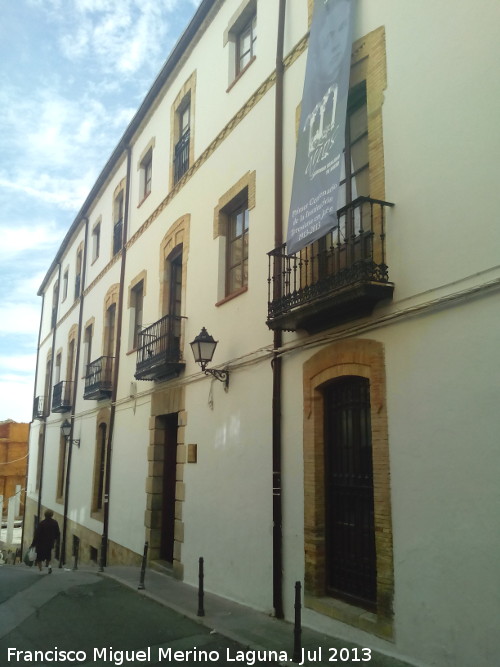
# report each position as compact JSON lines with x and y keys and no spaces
{"x":66,"y":431}
{"x":203,"y":347}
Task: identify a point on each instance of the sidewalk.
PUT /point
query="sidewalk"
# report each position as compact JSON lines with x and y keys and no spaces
{"x":252,"y":629}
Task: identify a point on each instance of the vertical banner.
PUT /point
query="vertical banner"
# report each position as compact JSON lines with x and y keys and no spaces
{"x":316,"y":176}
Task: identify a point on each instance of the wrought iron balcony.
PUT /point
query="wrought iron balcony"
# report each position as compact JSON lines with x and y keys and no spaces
{"x":99,"y":379}
{"x":62,"y":396}
{"x":158,"y":350}
{"x":117,"y":236}
{"x":340,"y":277}
{"x":181,"y":157}
{"x":40,"y":408}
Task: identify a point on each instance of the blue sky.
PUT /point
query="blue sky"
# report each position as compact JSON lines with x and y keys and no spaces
{"x":72,"y":74}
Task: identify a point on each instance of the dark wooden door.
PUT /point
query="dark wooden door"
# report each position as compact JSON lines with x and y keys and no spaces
{"x":169,"y":476}
{"x":350,"y":536}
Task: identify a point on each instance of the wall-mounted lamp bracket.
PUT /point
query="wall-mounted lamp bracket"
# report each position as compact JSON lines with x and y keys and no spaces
{"x":223,"y":376}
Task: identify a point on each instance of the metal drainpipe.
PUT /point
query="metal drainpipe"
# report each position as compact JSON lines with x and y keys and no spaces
{"x":277,"y":362}
{"x":109,"y":448}
{"x":62,"y":555}
{"x":48,"y":385}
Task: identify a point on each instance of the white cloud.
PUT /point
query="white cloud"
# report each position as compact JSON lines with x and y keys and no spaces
{"x":24,"y":363}
{"x":16,"y":398}
{"x":19,"y":318}
{"x":124,"y":35}
{"x":16,"y":240}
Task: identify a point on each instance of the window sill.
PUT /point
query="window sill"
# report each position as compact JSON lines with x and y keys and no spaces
{"x":241,"y":73}
{"x":229,"y":297}
{"x":351,"y":615}
{"x":97,"y":515}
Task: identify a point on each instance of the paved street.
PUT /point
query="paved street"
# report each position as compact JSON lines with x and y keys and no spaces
{"x":83,"y":617}
{"x":98,"y":618}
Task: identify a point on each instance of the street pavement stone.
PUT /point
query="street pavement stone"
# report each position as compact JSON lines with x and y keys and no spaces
{"x":86,"y":610}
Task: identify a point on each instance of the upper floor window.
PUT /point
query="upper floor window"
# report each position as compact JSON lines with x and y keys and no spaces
{"x":65,"y":285}
{"x":96,"y":241}
{"x":57,"y":377}
{"x":237,"y":247}
{"x":232,"y":227}
{"x":181,"y":151}
{"x":147,"y":173}
{"x":55,"y":296}
{"x":245,"y":48}
{"x":87,"y":346}
{"x":118,"y":207}
{"x":78,"y":276}
{"x":136,"y":307}
{"x":241,"y":38}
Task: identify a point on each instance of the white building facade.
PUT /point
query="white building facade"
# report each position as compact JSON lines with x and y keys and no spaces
{"x":354,"y":444}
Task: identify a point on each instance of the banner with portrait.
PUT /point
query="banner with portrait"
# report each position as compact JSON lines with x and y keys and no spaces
{"x":321,"y":136}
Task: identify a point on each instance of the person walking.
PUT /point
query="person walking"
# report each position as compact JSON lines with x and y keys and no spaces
{"x":46,"y":535}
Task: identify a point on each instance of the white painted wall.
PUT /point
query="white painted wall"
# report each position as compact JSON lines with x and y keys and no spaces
{"x":442,"y":363}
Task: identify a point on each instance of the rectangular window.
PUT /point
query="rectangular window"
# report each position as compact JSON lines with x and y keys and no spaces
{"x":71,"y":361}
{"x":246,"y":44}
{"x":55,"y":296}
{"x":237,"y":249}
{"x":109,"y":344}
{"x":118,"y":223}
{"x":355,"y":172}
{"x":340,"y":248}
{"x":146,"y":174}
{"x":96,"y":241}
{"x":58,"y":368}
{"x":87,"y":348}
{"x":136,"y":305}
{"x":78,"y":276}
{"x":65,"y":285}
{"x":181,"y":151}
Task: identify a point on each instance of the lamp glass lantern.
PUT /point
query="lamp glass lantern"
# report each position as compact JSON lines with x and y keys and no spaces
{"x":66,"y":431}
{"x":203,"y":347}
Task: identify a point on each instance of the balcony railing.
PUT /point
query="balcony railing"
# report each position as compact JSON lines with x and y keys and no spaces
{"x":117,"y":236}
{"x":62,"y":396}
{"x":99,"y":379}
{"x":158,"y":350}
{"x":340,"y":277}
{"x":181,"y":156}
{"x":40,"y":408}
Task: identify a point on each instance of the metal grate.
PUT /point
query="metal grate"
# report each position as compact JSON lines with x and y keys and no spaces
{"x":117,"y":236}
{"x":62,"y":396}
{"x":99,"y":378}
{"x":159,"y":348}
{"x":350,"y":534}
{"x":353,"y":252}
{"x":181,"y":156}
